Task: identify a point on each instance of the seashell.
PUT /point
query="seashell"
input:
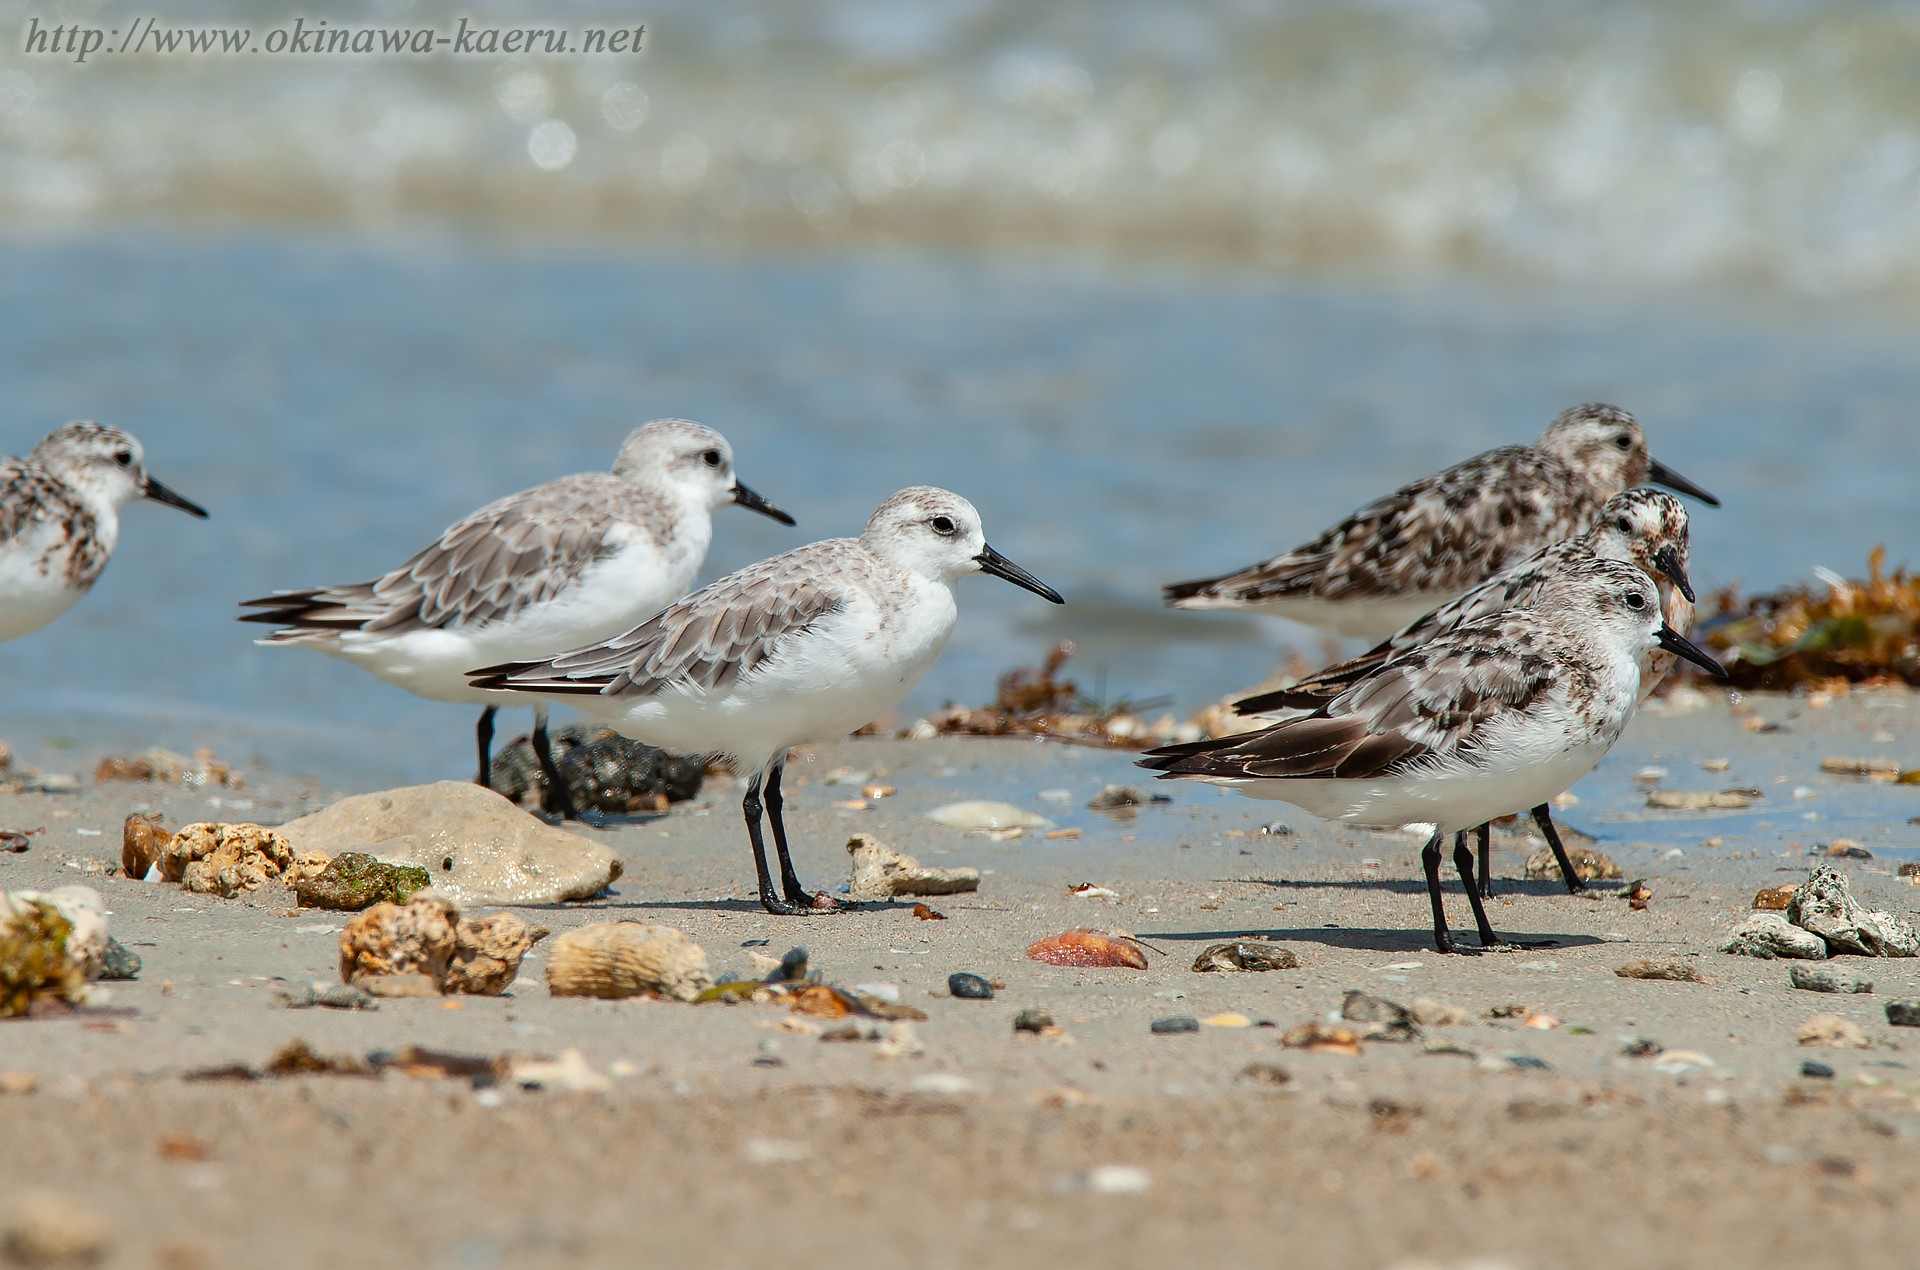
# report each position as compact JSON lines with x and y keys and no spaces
{"x":487,"y":953}
{"x":1588,"y":864}
{"x":984,"y":815}
{"x":626,"y":959}
{"x":390,"y":940}
{"x":1774,"y":898}
{"x":1246,"y":954}
{"x":1083,"y":947}
{"x":1323,"y":1038}
{"x":141,"y":842}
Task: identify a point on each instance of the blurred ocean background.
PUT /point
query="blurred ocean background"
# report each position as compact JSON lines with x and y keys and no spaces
{"x":1163,"y":289}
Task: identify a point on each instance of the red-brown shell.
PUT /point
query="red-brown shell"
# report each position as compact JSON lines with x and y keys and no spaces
{"x":1083,"y":947}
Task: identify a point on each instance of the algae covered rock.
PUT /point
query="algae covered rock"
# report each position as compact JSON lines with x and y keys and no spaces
{"x":354,"y":880}
{"x":34,"y":960}
{"x":477,"y":847}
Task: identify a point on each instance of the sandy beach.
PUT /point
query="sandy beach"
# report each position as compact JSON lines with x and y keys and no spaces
{"x":722,"y":1138}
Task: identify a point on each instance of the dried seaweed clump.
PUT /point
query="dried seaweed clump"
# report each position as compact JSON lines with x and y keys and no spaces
{"x":34,"y":960}
{"x":1036,"y":701}
{"x":1856,"y":632}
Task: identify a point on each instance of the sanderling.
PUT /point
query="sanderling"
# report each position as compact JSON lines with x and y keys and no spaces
{"x":1643,"y":527}
{"x":805,"y":647}
{"x":60,"y":517}
{"x":1491,"y":718}
{"x":1428,"y":542}
{"x":563,"y":564}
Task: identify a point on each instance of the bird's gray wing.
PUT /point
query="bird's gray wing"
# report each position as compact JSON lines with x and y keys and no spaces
{"x":524,"y":549}
{"x":1437,"y":699}
{"x":709,"y":640}
{"x":1446,"y":532}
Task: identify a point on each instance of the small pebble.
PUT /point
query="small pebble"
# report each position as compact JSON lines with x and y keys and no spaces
{"x":1903,"y":1013}
{"x":1821,"y":979}
{"x":1032,"y":1021}
{"x":1174,"y":1024}
{"x":970,"y":987}
{"x":117,"y":962}
{"x":1816,"y":1071}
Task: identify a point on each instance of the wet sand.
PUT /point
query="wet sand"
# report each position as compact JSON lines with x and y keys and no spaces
{"x":699,"y":1156}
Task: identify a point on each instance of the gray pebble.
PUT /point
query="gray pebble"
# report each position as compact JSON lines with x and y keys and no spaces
{"x":1823,"y":979}
{"x":1816,"y":1071}
{"x":1175,"y":1024}
{"x":970,"y":987}
{"x":1032,"y":1021}
{"x":1903,"y":1013}
{"x":118,"y":962}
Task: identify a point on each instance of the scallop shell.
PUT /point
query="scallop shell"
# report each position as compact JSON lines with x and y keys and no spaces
{"x":141,"y":842}
{"x":626,"y":959}
{"x":1083,"y":947}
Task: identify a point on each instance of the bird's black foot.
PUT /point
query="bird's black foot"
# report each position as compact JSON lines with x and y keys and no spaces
{"x":782,"y":908}
{"x":1449,"y":944}
{"x":799,"y":903}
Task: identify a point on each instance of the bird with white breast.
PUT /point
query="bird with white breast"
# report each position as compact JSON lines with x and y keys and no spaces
{"x":803,"y":648}
{"x":567,"y":563}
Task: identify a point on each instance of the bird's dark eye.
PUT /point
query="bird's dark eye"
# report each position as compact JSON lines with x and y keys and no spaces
{"x":943,"y":525}
{"x":1626,"y":526}
{"x":1635,"y":600}
{"x":123,"y":457}
{"x":711,"y":458}
{"x":1624,"y":441}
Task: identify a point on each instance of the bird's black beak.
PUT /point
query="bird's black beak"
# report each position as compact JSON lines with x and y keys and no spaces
{"x":161,"y":494}
{"x":747,"y":498}
{"x":991,"y":561}
{"x":1660,"y":474}
{"x":1680,"y":646}
{"x":1667,"y":560}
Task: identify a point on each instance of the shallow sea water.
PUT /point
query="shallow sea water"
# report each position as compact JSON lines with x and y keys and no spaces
{"x":336,"y":401}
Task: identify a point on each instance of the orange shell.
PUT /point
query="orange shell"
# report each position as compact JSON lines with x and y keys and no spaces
{"x":1083,"y":947}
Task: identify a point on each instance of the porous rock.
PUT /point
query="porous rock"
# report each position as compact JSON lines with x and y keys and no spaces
{"x":389,"y":940}
{"x":1588,"y":865}
{"x":476,"y":846}
{"x":225,"y":859}
{"x":1677,"y":971}
{"x":1383,"y":1020}
{"x":354,"y":880}
{"x":84,"y":911}
{"x":1834,"y":1032}
{"x":487,"y":953}
{"x":1824,"y":905}
{"x":626,"y":959}
{"x":1768,"y":934}
{"x":879,"y":873}
{"x":50,"y":1230}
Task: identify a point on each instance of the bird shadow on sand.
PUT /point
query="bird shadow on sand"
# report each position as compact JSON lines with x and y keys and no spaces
{"x":1367,"y":939}
{"x":1502,"y":887}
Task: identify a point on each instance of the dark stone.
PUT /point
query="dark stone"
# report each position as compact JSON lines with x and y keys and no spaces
{"x":792,"y":966}
{"x":1387,"y":1021}
{"x":1816,"y":1071}
{"x":1641,"y":1049}
{"x":603,"y":771}
{"x":354,"y":880}
{"x":1526,"y":1061}
{"x":1032,"y":1021}
{"x":117,"y":962}
{"x":970,"y":987}
{"x":1903,"y":1013}
{"x":1822,"y":979}
{"x":1175,"y":1024}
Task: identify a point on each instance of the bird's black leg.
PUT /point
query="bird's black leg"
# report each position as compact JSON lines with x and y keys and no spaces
{"x":1463,"y":861}
{"x":484,"y":734}
{"x":1486,"y":861}
{"x":1543,"y":816}
{"x":750,"y":808}
{"x":558,"y":799}
{"x":1430,"y":861}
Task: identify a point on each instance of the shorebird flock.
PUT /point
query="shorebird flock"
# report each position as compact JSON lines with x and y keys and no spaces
{"x":1524,"y":603}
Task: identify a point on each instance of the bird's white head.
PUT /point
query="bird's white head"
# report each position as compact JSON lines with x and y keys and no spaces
{"x":1618,"y":603}
{"x":105,"y":466}
{"x":937,"y":535}
{"x":1602,"y":443}
{"x":690,"y":462}
{"x":1648,"y":528}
